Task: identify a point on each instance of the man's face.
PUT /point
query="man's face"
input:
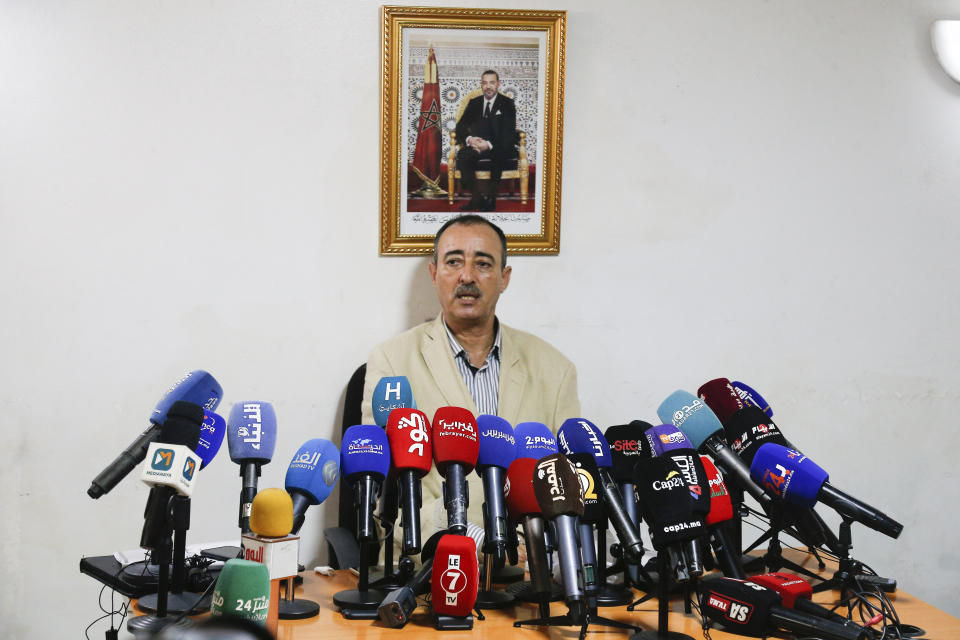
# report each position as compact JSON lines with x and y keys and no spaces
{"x":468,"y":276}
{"x":489,"y":84}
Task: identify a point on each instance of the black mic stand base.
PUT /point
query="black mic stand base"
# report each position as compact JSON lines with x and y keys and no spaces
{"x":298,"y":609}
{"x":523,"y":591}
{"x":611,"y":595}
{"x":359,"y":605}
{"x":177,"y":603}
{"x":507,"y":574}
{"x":147,"y":626}
{"x":493,"y":599}
{"x":453,"y":623}
{"x":653,"y":634}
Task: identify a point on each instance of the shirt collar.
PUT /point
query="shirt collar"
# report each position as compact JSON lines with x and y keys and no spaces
{"x":459,"y":351}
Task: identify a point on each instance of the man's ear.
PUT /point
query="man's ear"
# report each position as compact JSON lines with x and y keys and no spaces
{"x":506,"y":277}
{"x":433,"y":272}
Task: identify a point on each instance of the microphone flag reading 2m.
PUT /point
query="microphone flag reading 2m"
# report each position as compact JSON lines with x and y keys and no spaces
{"x":534,"y":440}
{"x":391,"y":392}
{"x":311,"y":476}
{"x":198,"y":387}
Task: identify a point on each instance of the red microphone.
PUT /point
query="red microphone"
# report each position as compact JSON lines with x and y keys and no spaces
{"x":523,"y":507}
{"x":408,"y":432}
{"x":796,"y":593}
{"x":454,"y":581}
{"x":721,"y":511}
{"x":721,"y":397}
{"x":455,"y":450}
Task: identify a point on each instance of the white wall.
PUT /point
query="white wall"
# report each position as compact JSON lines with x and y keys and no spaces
{"x":764,"y":191}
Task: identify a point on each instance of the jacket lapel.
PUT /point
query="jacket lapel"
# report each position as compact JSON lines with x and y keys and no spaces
{"x":435,"y":348}
{"x":512,"y":377}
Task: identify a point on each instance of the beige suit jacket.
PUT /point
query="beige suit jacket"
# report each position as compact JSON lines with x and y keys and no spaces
{"x":537,"y":384}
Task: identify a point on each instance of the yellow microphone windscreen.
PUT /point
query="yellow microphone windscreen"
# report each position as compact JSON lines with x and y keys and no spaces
{"x":271,"y":514}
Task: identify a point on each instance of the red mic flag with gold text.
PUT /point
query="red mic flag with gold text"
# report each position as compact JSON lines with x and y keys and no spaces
{"x":426,"y":157}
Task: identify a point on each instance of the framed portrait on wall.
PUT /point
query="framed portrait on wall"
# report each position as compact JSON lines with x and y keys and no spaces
{"x":471,"y":122}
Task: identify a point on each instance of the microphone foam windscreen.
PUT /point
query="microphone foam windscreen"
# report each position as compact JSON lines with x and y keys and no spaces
{"x":271,"y":514}
{"x":742,"y":607}
{"x":748,"y":429}
{"x":589,"y":475}
{"x":691,"y":468}
{"x":408,"y":431}
{"x":198,"y":387}
{"x":667,"y":502}
{"x":391,"y":392}
{"x":556,"y":485}
{"x":518,"y":489}
{"x":242,"y":590}
{"x":577,"y":435}
{"x":534,"y":440}
{"x":455,"y":438}
{"x":364,"y":450}
{"x":721,"y":507}
{"x":689,"y":414}
{"x":498,"y":445}
{"x":182,"y":430}
{"x":666,"y":437}
{"x":721,"y":397}
{"x":788,"y":474}
{"x":790,"y":587}
{"x":314,"y":470}
{"x":751,"y":397}
{"x":211,"y":436}
{"x":252,"y":432}
{"x":627,"y":443}
{"x":455,"y":577}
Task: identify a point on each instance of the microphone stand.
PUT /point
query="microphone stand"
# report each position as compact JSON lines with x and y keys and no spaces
{"x":773,"y":558}
{"x":850,"y":574}
{"x":360,"y":603}
{"x":488,"y":597}
{"x":663,"y":606}
{"x":610,"y":595}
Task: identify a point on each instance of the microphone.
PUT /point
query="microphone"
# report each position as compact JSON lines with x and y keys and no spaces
{"x":523,"y":507}
{"x":497,"y":448}
{"x":593,"y":513}
{"x":792,"y":476}
{"x":251,"y":437}
{"x":396,"y":608}
{"x":270,"y":543}
{"x":556,"y":486}
{"x":408,"y":432}
{"x":455,"y":451}
{"x":391,"y":392}
{"x":364,"y":462}
{"x":197,"y":387}
{"x":211,"y":436}
{"x":747,"y":608}
{"x":721,"y":397}
{"x":170,"y":469}
{"x":721,"y":511}
{"x":242,"y":591}
{"x":751,"y":398}
{"x":796,"y":593}
{"x":628,"y":443}
{"x":311,"y":477}
{"x":455,"y":578}
{"x":664,"y":438}
{"x":577,"y":435}
{"x":534,"y":440}
{"x":692,"y":416}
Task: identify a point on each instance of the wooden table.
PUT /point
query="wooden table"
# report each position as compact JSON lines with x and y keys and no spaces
{"x":331,"y":625}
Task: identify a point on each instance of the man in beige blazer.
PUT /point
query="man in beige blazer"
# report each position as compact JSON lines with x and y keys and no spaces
{"x":536,"y":382}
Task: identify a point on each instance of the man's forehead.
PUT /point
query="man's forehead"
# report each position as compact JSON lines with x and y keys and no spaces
{"x":469,"y":240}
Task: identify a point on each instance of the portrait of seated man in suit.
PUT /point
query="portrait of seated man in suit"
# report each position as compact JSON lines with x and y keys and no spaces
{"x":487,"y":130}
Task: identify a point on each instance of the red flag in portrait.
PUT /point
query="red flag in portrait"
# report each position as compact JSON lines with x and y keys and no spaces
{"x":426,"y":157}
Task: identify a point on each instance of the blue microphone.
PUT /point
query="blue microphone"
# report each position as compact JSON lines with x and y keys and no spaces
{"x":364,"y":463}
{"x":311,"y":476}
{"x":212,"y":430}
{"x":794,"y":477}
{"x":197,"y":387}
{"x":251,"y":438}
{"x":751,"y":397}
{"x":702,"y":427}
{"x":534,"y":440}
{"x":391,"y":392}
{"x":578,"y":435}
{"x":666,"y":437}
{"x":497,"y":451}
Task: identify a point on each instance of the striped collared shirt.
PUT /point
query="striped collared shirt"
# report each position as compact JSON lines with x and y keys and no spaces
{"x":484,"y":382}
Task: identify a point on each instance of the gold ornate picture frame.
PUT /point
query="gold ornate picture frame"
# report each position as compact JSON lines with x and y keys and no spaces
{"x":433,"y":62}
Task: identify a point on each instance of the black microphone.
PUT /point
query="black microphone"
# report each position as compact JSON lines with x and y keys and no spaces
{"x":747,"y":608}
{"x":396,"y":608}
{"x":197,"y":387}
{"x":522,"y":506}
{"x":557,"y":489}
{"x":593,"y":513}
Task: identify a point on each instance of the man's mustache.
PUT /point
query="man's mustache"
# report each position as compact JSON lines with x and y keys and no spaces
{"x":468,"y":290}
